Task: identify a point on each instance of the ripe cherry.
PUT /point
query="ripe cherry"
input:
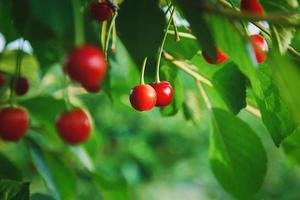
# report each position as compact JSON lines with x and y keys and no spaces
{"x":252,"y":6}
{"x":143,"y":97}
{"x":86,"y":65}
{"x":101,"y":11}
{"x":164,"y":93}
{"x":14,"y":123}
{"x":260,"y":47}
{"x":73,"y":126}
{"x":21,"y":85}
{"x":221,"y":57}
{"x":2,"y":80}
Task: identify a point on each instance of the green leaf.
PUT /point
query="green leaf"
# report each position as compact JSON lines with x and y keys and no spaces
{"x":231,"y":84}
{"x":199,"y":25}
{"x":56,"y":174}
{"x":275,"y":113}
{"x":169,"y":73}
{"x":13,"y":190}
{"x":291,"y":147}
{"x":8,"y":170}
{"x":6,"y":27}
{"x":30,"y":66}
{"x":186,"y":48}
{"x":237,"y":156}
{"x":141,"y":35}
{"x":56,"y":15}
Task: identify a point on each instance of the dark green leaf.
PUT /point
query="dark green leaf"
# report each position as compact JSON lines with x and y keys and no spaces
{"x":13,"y":190}
{"x":141,"y":35}
{"x":8,"y":170}
{"x":238,"y":158}
{"x":39,"y":196}
{"x":231,"y":84}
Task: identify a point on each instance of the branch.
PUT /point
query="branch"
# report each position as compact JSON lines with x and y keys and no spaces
{"x":187,"y":68}
{"x":262,"y":28}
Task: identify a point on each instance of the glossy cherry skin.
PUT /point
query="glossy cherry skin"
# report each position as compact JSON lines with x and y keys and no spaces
{"x":260,"y":47}
{"x":86,"y":65}
{"x":101,"y":11}
{"x":164,"y":92}
{"x":221,"y":57}
{"x":14,"y":123}
{"x":143,"y":97}
{"x":252,"y":6}
{"x":73,"y":126}
{"x":21,"y":85}
{"x":2,"y":80}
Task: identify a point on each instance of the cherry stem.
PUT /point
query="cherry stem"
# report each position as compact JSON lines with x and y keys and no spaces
{"x":109,"y":33}
{"x":17,"y":73}
{"x":78,"y":23}
{"x":163,"y":44}
{"x":103,"y":28}
{"x":66,"y":93}
{"x":242,"y":22}
{"x":142,"y":81}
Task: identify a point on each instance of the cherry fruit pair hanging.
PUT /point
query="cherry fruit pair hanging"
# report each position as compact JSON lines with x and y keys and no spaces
{"x":145,"y":96}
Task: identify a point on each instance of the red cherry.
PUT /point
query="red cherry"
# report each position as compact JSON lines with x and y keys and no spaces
{"x":164,"y":92}
{"x":14,"y":123}
{"x":73,"y":126}
{"x":21,"y":85}
{"x":100,"y":11}
{"x":86,"y":65}
{"x":252,"y":6}
{"x":143,"y":97}
{"x":221,"y":57}
{"x":260,"y":47}
{"x":2,"y":80}
{"x":92,"y":87}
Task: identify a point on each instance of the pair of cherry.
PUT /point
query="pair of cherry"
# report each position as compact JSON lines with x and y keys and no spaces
{"x":144,"y":97}
{"x":21,"y":84}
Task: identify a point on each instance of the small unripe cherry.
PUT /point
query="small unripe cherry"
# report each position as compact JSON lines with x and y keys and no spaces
{"x":21,"y":85}
{"x":86,"y":65}
{"x":143,"y":97}
{"x":260,"y":47}
{"x":221,"y":57}
{"x":2,"y":80}
{"x":164,"y":92}
{"x":252,"y":6}
{"x":73,"y":126}
{"x":101,"y":11}
{"x":14,"y":123}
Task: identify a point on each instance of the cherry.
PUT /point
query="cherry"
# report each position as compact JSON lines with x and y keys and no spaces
{"x":73,"y":126}
{"x":21,"y":86}
{"x":2,"y":80}
{"x":252,"y":6}
{"x":164,"y":92}
{"x":14,"y":123}
{"x":100,"y":11}
{"x":143,"y":97}
{"x":87,"y":66}
{"x":260,"y":47}
{"x":221,"y":57}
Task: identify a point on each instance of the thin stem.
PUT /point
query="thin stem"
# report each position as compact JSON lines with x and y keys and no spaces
{"x":17,"y":72}
{"x":103,"y":28}
{"x":203,"y":94}
{"x":114,"y":38}
{"x":142,"y":81}
{"x":109,"y":32}
{"x":66,"y":93}
{"x":177,"y":38}
{"x":162,"y":45}
{"x":78,"y":23}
